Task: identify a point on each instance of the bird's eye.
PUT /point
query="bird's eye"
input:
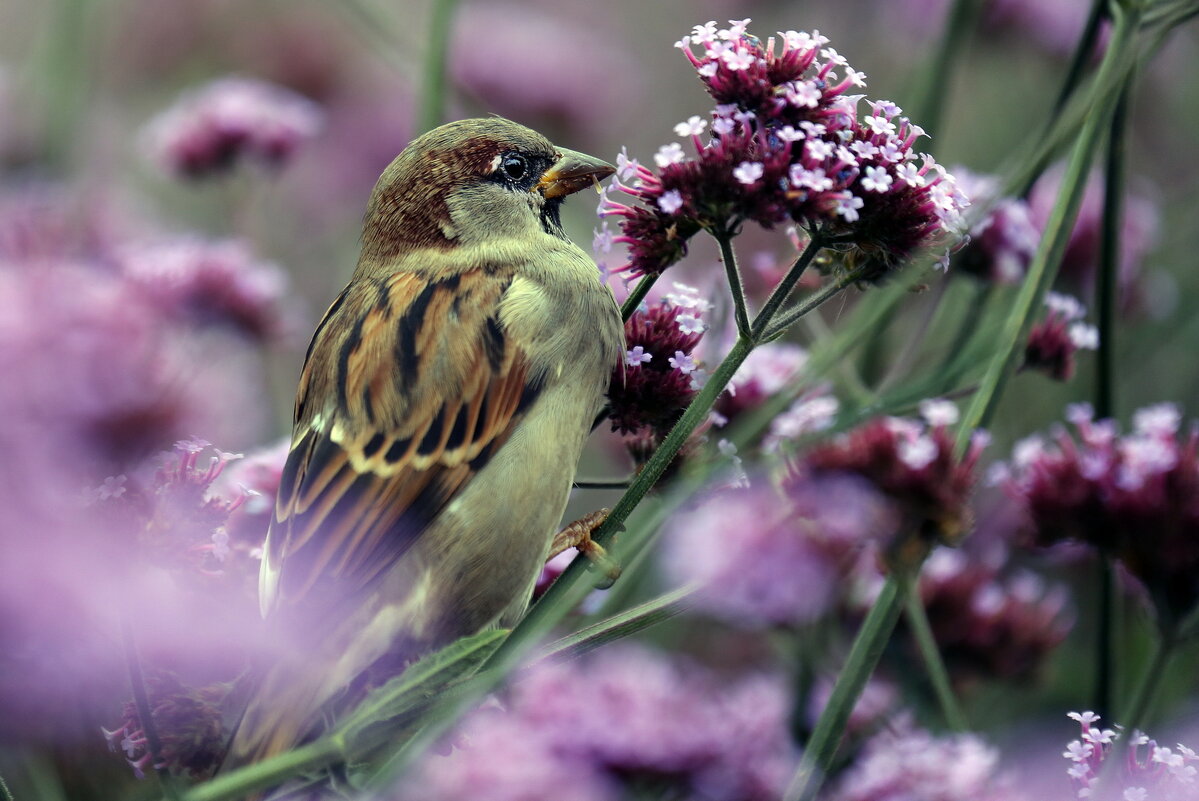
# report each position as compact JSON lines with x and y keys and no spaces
{"x":514,"y":166}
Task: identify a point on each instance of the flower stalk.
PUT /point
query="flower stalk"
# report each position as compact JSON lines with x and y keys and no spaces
{"x":938,"y":675}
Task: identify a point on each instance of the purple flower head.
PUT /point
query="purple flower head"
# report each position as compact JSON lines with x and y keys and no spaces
{"x":1053,"y":341}
{"x":211,"y":130}
{"x":988,"y":624}
{"x":1004,"y":240}
{"x":659,"y":376}
{"x":1150,"y":771}
{"x":905,"y":763}
{"x":911,"y":462}
{"x":189,"y":726}
{"x":786,"y":145}
{"x":643,"y":721}
{"x":768,"y":558}
{"x":1135,"y":496}
{"x":210,"y":283}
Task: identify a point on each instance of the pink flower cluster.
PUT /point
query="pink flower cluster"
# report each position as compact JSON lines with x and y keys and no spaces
{"x":785,"y":143}
{"x":1134,"y":496}
{"x":1053,"y":341}
{"x":210,"y":130}
{"x":913,"y":463}
{"x":1003,"y":240}
{"x":1150,"y":772}
{"x":627,"y":722}
{"x":659,"y":375}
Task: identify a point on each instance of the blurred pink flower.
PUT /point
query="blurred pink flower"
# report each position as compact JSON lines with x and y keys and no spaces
{"x":211,"y":129}
{"x":1003,"y":241}
{"x":509,"y":57}
{"x":905,"y":763}
{"x":624,"y":719}
{"x":1052,"y":342}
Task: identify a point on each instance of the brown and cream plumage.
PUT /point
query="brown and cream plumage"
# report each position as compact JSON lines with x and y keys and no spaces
{"x":442,"y":408}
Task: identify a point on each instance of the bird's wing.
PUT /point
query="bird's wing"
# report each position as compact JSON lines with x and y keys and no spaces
{"x":409,"y":387}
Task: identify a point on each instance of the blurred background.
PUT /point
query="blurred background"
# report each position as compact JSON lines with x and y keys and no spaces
{"x":145,"y":299}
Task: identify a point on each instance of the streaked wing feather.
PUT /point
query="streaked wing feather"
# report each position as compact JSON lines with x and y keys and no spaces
{"x":423,"y":387}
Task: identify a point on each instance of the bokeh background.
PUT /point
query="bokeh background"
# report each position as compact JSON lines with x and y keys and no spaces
{"x":138,"y":307}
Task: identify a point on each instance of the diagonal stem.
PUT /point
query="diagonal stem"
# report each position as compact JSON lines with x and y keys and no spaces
{"x":938,"y":676}
{"x":724,"y":238}
{"x":637,"y":294}
{"x":145,"y":713}
{"x":781,"y":292}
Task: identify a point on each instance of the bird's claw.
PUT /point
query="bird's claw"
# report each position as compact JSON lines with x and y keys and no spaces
{"x":578,"y":535}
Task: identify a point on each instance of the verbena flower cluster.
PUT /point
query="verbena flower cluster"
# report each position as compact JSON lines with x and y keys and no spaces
{"x":1052,"y":342}
{"x":1003,"y":240}
{"x":212,"y":129}
{"x":188,"y":724}
{"x":913,"y":463}
{"x":1135,"y":496}
{"x":1149,"y":772}
{"x":990,"y":623}
{"x":905,"y":763}
{"x":765,"y":557}
{"x":628,"y":722}
{"x":659,"y":374}
{"x":768,"y":370}
{"x":785,"y":144}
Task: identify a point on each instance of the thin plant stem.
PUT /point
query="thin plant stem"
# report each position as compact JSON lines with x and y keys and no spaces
{"x":863,"y":656}
{"x":807,"y":305}
{"x":724,"y":238}
{"x":145,"y":713}
{"x":938,"y":676}
{"x":270,"y":772}
{"x":1083,"y":51}
{"x":5,"y":793}
{"x":908,"y":355}
{"x":1053,"y":243}
{"x":781,"y":292}
{"x":1107,"y":291}
{"x":1139,"y":709}
{"x":637,"y":294}
{"x":433,"y":76}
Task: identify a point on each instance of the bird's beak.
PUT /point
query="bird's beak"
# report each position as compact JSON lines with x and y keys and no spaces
{"x":572,"y":172}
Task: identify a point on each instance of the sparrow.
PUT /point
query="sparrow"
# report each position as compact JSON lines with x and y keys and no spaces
{"x":442,"y":407}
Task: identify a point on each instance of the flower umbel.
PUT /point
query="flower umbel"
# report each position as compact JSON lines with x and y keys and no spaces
{"x":786,"y":145}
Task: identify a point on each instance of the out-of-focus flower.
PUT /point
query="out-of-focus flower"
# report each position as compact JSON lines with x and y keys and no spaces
{"x":642,"y":724}
{"x":906,"y":763}
{"x":1054,"y":27}
{"x":787,"y":145}
{"x":211,"y":283}
{"x":1080,"y":262}
{"x":768,"y":558}
{"x":659,"y":376}
{"x":766,"y":371}
{"x":187,"y":721}
{"x":1134,"y":496}
{"x":254,"y":478}
{"x":874,"y":707}
{"x":1053,"y":341}
{"x":990,"y":625}
{"x":1150,"y":772}
{"x":1003,"y":241}
{"x":596,"y":87}
{"x":813,"y":411}
{"x":913,"y":464}
{"x":211,"y":129}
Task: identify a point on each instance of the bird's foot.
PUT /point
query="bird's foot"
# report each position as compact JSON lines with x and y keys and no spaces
{"x":578,"y":535}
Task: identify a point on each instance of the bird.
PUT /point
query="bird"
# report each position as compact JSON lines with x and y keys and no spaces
{"x":443,"y":404}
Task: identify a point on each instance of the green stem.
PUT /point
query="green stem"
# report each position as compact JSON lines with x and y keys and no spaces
{"x":1083,"y":51}
{"x":270,"y":772}
{"x":145,"y":713}
{"x":433,"y":89}
{"x":807,"y":305}
{"x":619,"y":626}
{"x":5,"y":793}
{"x":930,"y":91}
{"x":637,"y":294}
{"x":938,"y":676}
{"x":863,"y":656}
{"x":1107,"y":286}
{"x":1053,"y":243}
{"x":781,"y":292}
{"x":740,"y":312}
{"x":1138,"y":710}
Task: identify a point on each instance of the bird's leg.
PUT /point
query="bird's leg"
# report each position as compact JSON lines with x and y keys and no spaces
{"x":578,"y":535}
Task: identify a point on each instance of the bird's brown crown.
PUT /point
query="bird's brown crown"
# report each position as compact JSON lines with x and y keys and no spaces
{"x":408,"y":208}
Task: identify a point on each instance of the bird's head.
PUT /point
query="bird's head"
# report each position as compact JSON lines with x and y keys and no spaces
{"x":472,"y":180}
